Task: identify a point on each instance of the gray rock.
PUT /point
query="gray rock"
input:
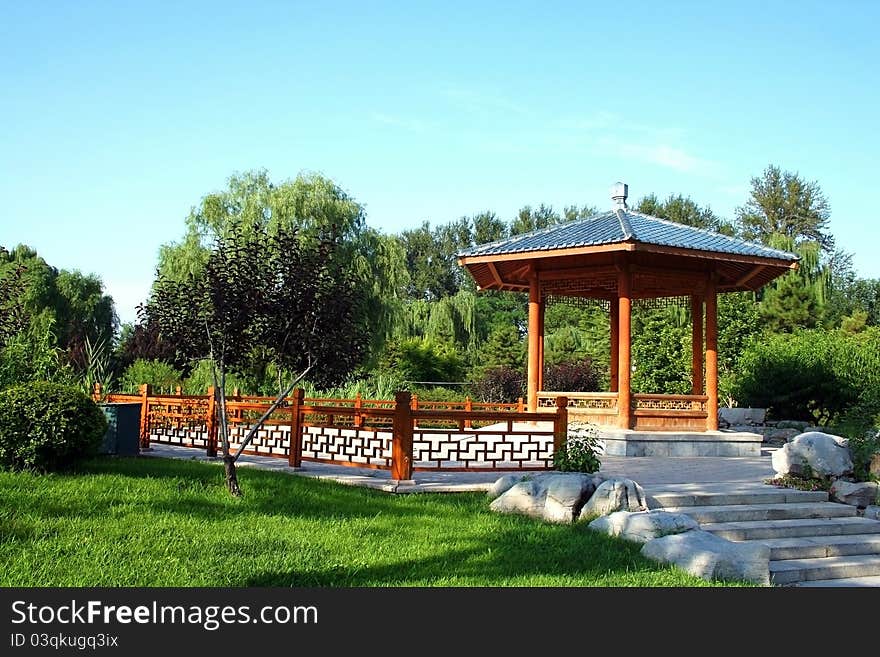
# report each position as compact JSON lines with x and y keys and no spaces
{"x":743,"y":416}
{"x":712,"y":557}
{"x":860,"y":494}
{"x":873,"y":512}
{"x":874,"y":467}
{"x":643,"y":526}
{"x":503,"y":484}
{"x":617,"y":494}
{"x":825,"y":455}
{"x":792,"y":424}
{"x":552,"y":497}
{"x":780,"y":435}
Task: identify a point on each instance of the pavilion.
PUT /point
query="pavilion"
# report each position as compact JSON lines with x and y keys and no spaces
{"x":615,"y":259}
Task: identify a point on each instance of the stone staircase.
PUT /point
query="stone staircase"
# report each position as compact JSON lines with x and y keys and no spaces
{"x":813,"y":542}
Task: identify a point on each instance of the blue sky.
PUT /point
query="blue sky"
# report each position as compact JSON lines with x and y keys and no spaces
{"x":116,"y":118}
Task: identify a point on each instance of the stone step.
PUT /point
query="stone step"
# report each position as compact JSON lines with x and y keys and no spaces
{"x":770,"y":496}
{"x":871,"y":580}
{"x":757,"y":529}
{"x":792,"y":571}
{"x":813,"y":547}
{"x":775,"y":511}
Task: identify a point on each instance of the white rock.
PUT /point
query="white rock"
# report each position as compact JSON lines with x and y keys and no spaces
{"x":503,"y":484}
{"x":712,"y":557}
{"x":618,"y":494}
{"x":551,"y":497}
{"x":873,"y":512}
{"x":861,"y":494}
{"x":826,"y":455}
{"x":643,"y":526}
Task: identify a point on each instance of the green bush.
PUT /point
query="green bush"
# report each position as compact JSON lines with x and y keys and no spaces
{"x":817,"y":376}
{"x":580,"y":453}
{"x":159,"y":374}
{"x":46,"y":426}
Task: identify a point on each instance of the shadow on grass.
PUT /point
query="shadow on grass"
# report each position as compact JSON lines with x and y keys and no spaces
{"x":500,"y":557}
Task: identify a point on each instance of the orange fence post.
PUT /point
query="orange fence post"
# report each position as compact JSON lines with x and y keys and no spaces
{"x":178,"y":390}
{"x":294,"y":451}
{"x":520,"y":407}
{"x":211,"y":422}
{"x":146,"y":391}
{"x":402,"y":437}
{"x":560,"y":424}
{"x":468,"y":406}
{"x":96,"y":392}
{"x":358,"y":403}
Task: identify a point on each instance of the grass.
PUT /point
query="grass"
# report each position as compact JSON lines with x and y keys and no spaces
{"x":157,"y":522}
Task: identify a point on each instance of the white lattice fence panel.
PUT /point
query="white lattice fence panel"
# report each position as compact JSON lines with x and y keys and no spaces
{"x":344,"y":445}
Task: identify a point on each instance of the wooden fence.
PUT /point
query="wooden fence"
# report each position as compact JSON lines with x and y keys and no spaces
{"x":401,"y":435}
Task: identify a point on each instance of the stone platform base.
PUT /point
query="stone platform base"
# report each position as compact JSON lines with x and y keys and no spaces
{"x":622,"y":442}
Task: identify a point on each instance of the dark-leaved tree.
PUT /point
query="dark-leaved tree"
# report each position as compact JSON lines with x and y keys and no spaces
{"x":264,"y":293}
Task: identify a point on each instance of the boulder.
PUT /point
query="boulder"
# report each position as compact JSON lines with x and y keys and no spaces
{"x":780,"y":436}
{"x":873,"y":512}
{"x":643,"y":526}
{"x":826,"y":456}
{"x":874,"y":467}
{"x":551,"y":497}
{"x":712,"y":557}
{"x":503,"y":484}
{"x":617,"y":494}
{"x":860,"y":494}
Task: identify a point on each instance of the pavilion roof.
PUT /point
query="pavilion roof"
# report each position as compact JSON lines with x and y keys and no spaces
{"x":621,"y":226}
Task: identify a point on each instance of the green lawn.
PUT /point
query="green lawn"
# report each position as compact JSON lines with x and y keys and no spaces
{"x":157,"y":522}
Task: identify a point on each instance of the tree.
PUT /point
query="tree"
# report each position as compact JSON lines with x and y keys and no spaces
{"x":309,"y":206}
{"x":783,"y":203}
{"x":683,"y":210}
{"x":269,"y":294}
{"x":71,"y":306}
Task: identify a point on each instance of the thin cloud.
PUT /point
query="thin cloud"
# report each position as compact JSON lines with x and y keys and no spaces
{"x":410,"y":125}
{"x":480,"y":102}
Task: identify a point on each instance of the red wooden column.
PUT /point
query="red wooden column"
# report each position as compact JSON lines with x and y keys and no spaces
{"x":697,"y":343}
{"x":541,"y":306}
{"x":534,"y":365}
{"x":711,"y":356}
{"x":615,"y":344}
{"x":624,"y":302}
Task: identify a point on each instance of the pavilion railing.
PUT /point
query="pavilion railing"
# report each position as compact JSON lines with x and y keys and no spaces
{"x":400,"y":435}
{"x":654,"y":412}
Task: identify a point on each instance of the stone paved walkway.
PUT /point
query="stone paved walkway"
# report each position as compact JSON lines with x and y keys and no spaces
{"x":655,"y":473}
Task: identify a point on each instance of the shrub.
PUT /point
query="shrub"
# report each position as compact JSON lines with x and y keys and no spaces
{"x":823,"y":376}
{"x":46,"y":426}
{"x":580,"y":453}
{"x":159,"y":374}
{"x":500,"y":384}
{"x":422,"y":361}
{"x":862,"y":448}
{"x":581,"y":376}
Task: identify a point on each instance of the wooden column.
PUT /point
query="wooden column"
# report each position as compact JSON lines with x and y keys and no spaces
{"x":615,"y":344}
{"x":402,"y":438}
{"x":534,"y":365}
{"x":294,"y":449}
{"x":711,"y":356}
{"x":697,"y":343}
{"x":624,"y":302}
{"x":541,"y":306}
{"x":146,"y":392}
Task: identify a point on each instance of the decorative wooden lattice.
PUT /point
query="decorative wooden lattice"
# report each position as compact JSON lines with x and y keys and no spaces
{"x":436,"y":449}
{"x":658,"y":303}
{"x":271,"y":439}
{"x":178,"y":422}
{"x":579,"y":302}
{"x":347,"y":446}
{"x":582,"y":401}
{"x":668,"y":403}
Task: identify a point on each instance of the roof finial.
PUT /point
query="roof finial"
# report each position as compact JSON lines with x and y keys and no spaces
{"x":619,"y":192}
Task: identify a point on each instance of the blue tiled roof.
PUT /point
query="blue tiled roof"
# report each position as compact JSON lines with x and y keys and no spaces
{"x":626,"y":226}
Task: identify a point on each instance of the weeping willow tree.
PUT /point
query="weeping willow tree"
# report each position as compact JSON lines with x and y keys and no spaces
{"x":797,"y":299}
{"x":451,"y":319}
